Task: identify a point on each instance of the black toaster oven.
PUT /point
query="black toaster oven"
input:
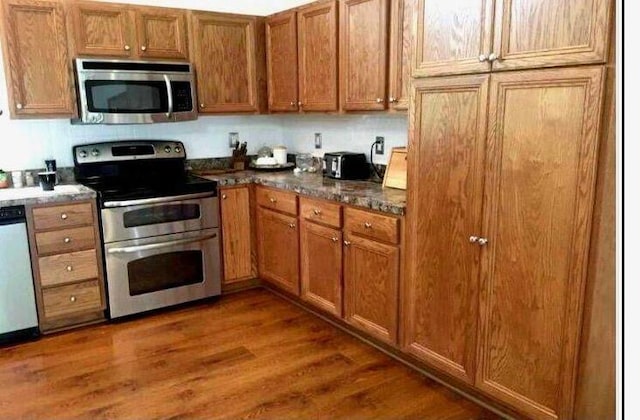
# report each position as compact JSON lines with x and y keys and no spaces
{"x":345,"y":165}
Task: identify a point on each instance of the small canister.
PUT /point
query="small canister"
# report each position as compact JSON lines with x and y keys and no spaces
{"x":280,"y":154}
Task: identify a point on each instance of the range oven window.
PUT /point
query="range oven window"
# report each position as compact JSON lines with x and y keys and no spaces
{"x":161,"y":214}
{"x":165,"y":271}
{"x":126,"y":97}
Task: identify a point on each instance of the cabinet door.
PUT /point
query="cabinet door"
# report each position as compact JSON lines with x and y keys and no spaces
{"x":225,"y":60}
{"x":452,"y":37}
{"x":371,"y":272}
{"x":448,"y":136}
{"x":282,"y":62}
{"x":36,"y":60}
{"x":317,"y":57}
{"x":402,"y":15}
{"x":363,"y":54}
{"x":541,"y":160}
{"x":102,"y":29}
{"x":162,"y":33}
{"x":321,"y":267}
{"x":235,"y":214}
{"x":278,"y":250}
{"x":550,"y":33}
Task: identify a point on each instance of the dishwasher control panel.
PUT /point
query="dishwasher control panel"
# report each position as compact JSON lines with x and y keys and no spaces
{"x":11,"y":213}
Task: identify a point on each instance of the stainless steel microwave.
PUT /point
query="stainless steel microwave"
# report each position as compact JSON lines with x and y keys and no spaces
{"x":134,"y":92}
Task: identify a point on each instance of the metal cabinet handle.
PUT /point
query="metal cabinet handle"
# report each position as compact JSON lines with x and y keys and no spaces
{"x":127,"y":48}
{"x":299,"y":103}
{"x":67,"y":240}
{"x":317,"y":212}
{"x":368,"y":225}
{"x":483,"y":241}
{"x":334,"y":239}
{"x":347,"y":243}
{"x":493,"y":57}
{"x":379,"y":100}
{"x":293,"y":103}
{"x":473,"y":239}
{"x":19,"y":106}
{"x":393,"y":100}
{"x":201,"y":105}
{"x":224,"y":196}
{"x":64,"y":216}
{"x":273,"y":200}
{"x":72,"y":299}
{"x":292,"y":225}
{"x":69,"y":268}
{"x":143,"y":48}
{"x":482,"y":58}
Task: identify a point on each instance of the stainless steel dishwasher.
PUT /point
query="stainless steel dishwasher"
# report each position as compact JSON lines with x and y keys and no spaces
{"x":18,"y":315}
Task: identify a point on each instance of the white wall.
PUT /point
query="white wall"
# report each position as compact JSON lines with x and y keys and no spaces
{"x":245,"y":7}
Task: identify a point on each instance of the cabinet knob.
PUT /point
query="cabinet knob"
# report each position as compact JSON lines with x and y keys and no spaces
{"x":482,"y":58}
{"x":201,"y":105}
{"x":143,"y":48}
{"x":299,"y":103}
{"x":368,"y":225}
{"x":493,"y":57}
{"x":293,"y":103}
{"x":64,"y":216}
{"x":379,"y":100}
{"x":347,"y":243}
{"x":127,"y":48}
{"x":483,"y":241}
{"x":292,"y":225}
{"x":334,"y":239}
{"x":72,"y":299}
{"x":67,"y":240}
{"x":69,"y":268}
{"x":224,"y":196}
{"x":473,"y":239}
{"x":317,"y":212}
{"x":19,"y":106}
{"x":393,"y":100}
{"x":273,"y":199}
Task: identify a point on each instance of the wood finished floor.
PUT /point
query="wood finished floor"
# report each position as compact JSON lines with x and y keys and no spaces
{"x":249,"y":355}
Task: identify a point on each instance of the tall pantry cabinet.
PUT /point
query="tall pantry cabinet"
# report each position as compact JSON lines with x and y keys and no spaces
{"x":501,"y":220}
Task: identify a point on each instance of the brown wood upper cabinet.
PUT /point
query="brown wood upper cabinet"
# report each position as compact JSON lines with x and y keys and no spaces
{"x":116,"y":30}
{"x":498,"y":256}
{"x":227,"y":59}
{"x":318,"y":57}
{"x":363,"y":54}
{"x":38,"y":68}
{"x":482,"y":35}
{"x":402,"y":14}
{"x":282,"y":62}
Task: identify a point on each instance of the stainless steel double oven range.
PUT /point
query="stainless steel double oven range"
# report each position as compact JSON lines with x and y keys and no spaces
{"x":160,"y":226}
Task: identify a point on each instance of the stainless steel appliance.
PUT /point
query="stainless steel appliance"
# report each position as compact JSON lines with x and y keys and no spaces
{"x":18,"y":315}
{"x":345,"y":165}
{"x":134,"y":92}
{"x":160,"y":226}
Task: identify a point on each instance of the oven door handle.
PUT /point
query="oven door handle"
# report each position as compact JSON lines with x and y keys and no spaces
{"x":139,"y":248}
{"x":111,"y":204}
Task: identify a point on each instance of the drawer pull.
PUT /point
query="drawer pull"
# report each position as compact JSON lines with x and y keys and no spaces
{"x":272,"y":199}
{"x":317,"y":212}
{"x":69,"y":268}
{"x":67,"y":240}
{"x":73,"y":299}
{"x":64,"y":216}
{"x":368,"y":225}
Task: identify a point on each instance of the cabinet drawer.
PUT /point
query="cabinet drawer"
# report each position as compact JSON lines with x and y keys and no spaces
{"x":67,"y":240}
{"x":66,"y":268}
{"x":65,"y":300}
{"x":282,"y":201}
{"x":371,"y":225}
{"x":62,"y":216}
{"x":321,"y":212}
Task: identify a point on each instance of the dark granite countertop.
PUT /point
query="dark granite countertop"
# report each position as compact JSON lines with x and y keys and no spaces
{"x":364,"y":194}
{"x":35,"y":195}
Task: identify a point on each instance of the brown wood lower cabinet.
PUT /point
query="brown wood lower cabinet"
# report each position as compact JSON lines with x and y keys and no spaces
{"x":321,"y":266}
{"x":278,"y":259}
{"x":66,"y":259}
{"x":371,"y":274}
{"x":237,"y":242}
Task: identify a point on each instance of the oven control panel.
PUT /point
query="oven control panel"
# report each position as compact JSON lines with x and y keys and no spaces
{"x":128,"y":150}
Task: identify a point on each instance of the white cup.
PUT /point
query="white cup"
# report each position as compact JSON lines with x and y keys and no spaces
{"x":16,"y":177}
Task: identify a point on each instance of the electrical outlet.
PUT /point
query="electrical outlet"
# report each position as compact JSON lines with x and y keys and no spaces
{"x":379,"y":145}
{"x":318,"y":141}
{"x":234,"y":140}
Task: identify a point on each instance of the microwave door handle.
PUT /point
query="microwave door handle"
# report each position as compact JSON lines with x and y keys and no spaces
{"x":167,"y":82}
{"x":139,"y":248}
